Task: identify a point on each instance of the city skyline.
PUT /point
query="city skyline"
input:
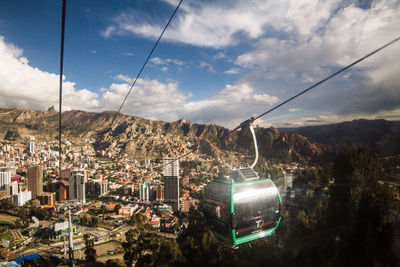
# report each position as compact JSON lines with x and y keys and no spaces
{"x":208,"y":68}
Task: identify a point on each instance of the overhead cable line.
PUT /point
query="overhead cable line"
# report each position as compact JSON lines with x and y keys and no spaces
{"x":63,"y":11}
{"x":150,"y":54}
{"x":61,"y":80}
{"x":252,"y":119}
{"x":320,"y":82}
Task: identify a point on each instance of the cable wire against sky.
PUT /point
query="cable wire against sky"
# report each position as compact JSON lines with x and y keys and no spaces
{"x":304,"y":91}
{"x":63,"y":11}
{"x":63,"y":8}
{"x":151,"y":53}
{"x":324,"y":80}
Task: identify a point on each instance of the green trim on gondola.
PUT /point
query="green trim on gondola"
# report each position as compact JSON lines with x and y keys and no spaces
{"x":255,"y":236}
{"x":221,"y":236}
{"x":237,"y":241}
{"x":252,"y":237}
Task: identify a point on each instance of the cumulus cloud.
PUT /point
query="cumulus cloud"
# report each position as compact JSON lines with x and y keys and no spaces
{"x":232,"y":71}
{"x":204,"y":65}
{"x":348,"y":33}
{"x":340,"y":38}
{"x":230,"y":106}
{"x":22,"y":85}
{"x":219,"y":55}
{"x":149,"y":98}
{"x":327,"y":118}
{"x":216,"y":24}
{"x":155,"y":100}
{"x":159,"y":63}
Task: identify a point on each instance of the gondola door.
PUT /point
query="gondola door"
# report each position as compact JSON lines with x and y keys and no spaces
{"x":255,"y":208}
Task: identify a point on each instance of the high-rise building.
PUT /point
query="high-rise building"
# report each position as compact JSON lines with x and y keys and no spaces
{"x":22,"y":198}
{"x":96,"y":188}
{"x":171,"y":182}
{"x":187,"y":203}
{"x":63,"y":193}
{"x":10,"y":165}
{"x":144,"y":191}
{"x":48,"y":198}
{"x":159,"y":192}
{"x":14,"y":188}
{"x":35,"y":180}
{"x":77,"y":188}
{"x":31,"y":148}
{"x":5,"y":179}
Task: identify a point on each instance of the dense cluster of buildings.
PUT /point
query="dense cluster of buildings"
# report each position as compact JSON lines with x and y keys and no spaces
{"x":29,"y":172}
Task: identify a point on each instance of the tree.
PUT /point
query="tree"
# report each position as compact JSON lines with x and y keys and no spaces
{"x":103,"y":209}
{"x":199,"y":247}
{"x":131,"y":247}
{"x":363,"y":209}
{"x":166,"y":253}
{"x":90,"y":251}
{"x":114,"y":263}
{"x":137,"y":220}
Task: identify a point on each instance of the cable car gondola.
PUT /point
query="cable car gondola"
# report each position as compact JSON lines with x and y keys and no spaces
{"x":241,"y":207}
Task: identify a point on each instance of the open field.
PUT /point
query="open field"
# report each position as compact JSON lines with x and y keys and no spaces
{"x":102,"y":249}
{"x":7,"y":218}
{"x":6,"y":236}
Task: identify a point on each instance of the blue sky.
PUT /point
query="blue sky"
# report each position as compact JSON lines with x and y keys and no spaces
{"x":218,"y":62}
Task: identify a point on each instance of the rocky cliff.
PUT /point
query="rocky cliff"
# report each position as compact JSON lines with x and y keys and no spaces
{"x":380,"y":136}
{"x":142,"y":137}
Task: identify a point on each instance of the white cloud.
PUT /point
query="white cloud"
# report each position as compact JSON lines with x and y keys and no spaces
{"x":161,"y":64}
{"x":327,"y":118}
{"x":157,"y":61}
{"x":349,"y":33}
{"x":155,"y":100}
{"x":230,"y":106}
{"x":340,"y":38}
{"x":108,"y":31}
{"x":128,"y":54}
{"x":207,"y":66}
{"x":149,"y":98}
{"x":232,"y":71}
{"x":24,"y":86}
{"x":160,"y":61}
{"x":218,"y":25}
{"x":219,"y":55}
{"x":124,"y":78}
{"x":175,"y":61}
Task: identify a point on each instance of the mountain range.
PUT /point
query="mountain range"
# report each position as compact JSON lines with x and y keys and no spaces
{"x":138,"y":137}
{"x":381,"y":136}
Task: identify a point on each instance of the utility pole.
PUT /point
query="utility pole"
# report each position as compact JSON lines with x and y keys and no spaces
{"x":71,"y":243}
{"x":65,"y":251}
